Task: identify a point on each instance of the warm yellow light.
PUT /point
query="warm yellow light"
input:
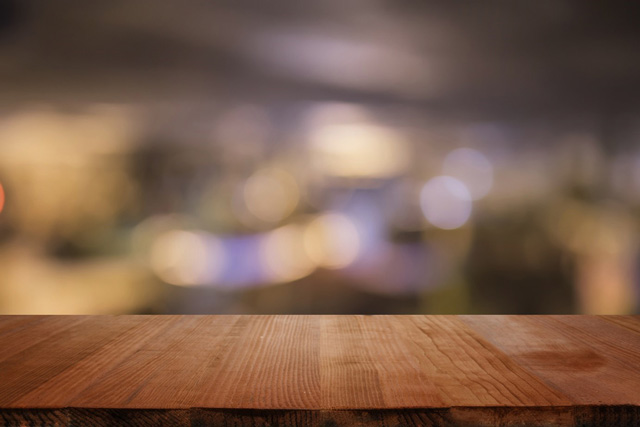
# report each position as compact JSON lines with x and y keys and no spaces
{"x":332,"y":241}
{"x":359,"y":150}
{"x":68,"y":171}
{"x":271,"y":195}
{"x":186,"y":258}
{"x":283,"y":254}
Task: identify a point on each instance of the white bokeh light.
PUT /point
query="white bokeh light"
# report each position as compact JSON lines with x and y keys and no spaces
{"x":472,"y":168}
{"x":446,"y":202}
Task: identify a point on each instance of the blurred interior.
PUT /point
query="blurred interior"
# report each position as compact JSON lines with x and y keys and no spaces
{"x":319,"y":157}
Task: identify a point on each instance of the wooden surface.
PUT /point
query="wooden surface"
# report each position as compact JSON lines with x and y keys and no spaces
{"x":319,"y":370}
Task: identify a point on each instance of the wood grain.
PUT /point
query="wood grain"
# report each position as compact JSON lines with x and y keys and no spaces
{"x":319,"y":370}
{"x":591,"y":360}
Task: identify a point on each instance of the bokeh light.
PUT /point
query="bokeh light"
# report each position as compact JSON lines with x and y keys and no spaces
{"x":335,"y":113}
{"x":271,"y":194}
{"x":472,"y":168}
{"x":223,"y":149}
{"x":283,"y":255}
{"x":50,"y":157}
{"x":446,"y":202}
{"x":358,"y":150}
{"x":186,"y":258}
{"x":332,"y":240}
{"x":145,"y":234}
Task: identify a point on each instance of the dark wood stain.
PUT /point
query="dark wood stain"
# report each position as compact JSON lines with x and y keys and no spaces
{"x":577,"y":361}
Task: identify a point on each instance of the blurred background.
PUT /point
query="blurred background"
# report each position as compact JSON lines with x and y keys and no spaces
{"x":319,"y":157}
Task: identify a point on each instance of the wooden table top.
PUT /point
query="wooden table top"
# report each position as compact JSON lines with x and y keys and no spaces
{"x":320,"y":370}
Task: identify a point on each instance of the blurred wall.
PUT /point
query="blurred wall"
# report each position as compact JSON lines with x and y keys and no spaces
{"x":330,"y":157}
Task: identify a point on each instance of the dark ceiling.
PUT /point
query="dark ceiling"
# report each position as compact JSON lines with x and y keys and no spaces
{"x":488,"y":58}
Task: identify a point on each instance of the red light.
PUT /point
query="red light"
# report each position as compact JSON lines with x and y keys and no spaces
{"x":1,"y":197}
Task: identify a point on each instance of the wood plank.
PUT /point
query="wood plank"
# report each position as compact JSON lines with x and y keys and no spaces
{"x":418,"y":361}
{"x":9,"y":323}
{"x":471,"y":372}
{"x":319,"y":370}
{"x":348,"y":371}
{"x":79,"y":378}
{"x":23,"y":333}
{"x":46,"y":356}
{"x":585,"y":357}
{"x":270,"y":362}
{"x":121,"y":382}
{"x":630,"y":322}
